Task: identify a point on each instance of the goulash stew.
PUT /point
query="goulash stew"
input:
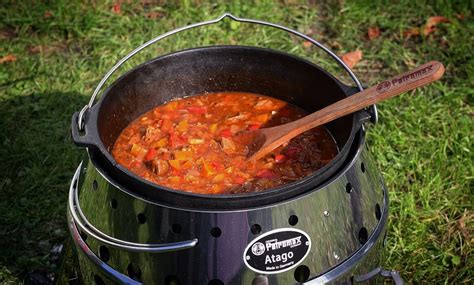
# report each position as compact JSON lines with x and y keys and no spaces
{"x":189,"y":145}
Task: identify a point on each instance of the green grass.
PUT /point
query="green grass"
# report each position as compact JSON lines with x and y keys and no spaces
{"x":422,"y":143}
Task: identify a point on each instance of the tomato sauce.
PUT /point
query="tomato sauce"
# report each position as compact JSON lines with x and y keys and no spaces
{"x":189,"y":144}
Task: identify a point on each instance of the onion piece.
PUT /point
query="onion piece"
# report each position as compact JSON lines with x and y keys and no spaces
{"x":228,"y":146}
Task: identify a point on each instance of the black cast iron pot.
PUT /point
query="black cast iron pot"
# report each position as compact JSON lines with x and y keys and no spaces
{"x":213,"y":69}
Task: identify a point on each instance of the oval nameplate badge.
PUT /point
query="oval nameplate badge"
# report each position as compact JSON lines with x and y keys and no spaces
{"x":277,"y":251}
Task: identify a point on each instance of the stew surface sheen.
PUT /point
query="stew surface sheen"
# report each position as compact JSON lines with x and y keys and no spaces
{"x":188,"y":144}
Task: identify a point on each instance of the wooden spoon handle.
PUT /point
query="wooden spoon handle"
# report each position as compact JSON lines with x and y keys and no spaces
{"x":397,"y":85}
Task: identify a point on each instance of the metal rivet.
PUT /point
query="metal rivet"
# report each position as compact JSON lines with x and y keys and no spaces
{"x":326,"y":213}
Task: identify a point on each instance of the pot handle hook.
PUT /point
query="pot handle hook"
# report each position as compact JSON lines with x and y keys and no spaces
{"x":80,"y":135}
{"x":205,"y":23}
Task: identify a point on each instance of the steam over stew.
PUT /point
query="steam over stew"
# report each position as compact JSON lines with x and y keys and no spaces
{"x":189,"y":145}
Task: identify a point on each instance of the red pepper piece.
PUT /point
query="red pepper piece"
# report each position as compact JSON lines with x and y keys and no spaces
{"x":279,"y":158}
{"x":266,"y":173}
{"x":197,"y":110}
{"x":239,"y":180}
{"x":254,"y":127}
{"x":218,"y":166}
{"x":136,"y":164}
{"x":167,"y":125}
{"x":226,"y":133}
{"x":150,"y":154}
{"x":176,"y":141}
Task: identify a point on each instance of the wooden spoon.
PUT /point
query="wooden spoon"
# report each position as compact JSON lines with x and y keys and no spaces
{"x":261,"y":142}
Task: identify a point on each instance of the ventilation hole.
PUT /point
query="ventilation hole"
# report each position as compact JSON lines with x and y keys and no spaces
{"x":349,"y":188}
{"x":94,"y":185}
{"x":113,"y":204}
{"x":98,"y":280}
{"x":134,"y":272}
{"x":363,"y":235}
{"x":378,"y":212}
{"x":172,"y":280}
{"x":83,"y":235}
{"x":260,"y":280}
{"x":302,"y":273}
{"x":104,"y":253}
{"x":176,"y":228}
{"x":216,"y":232}
{"x":255,"y":229}
{"x":362,"y":167}
{"x":141,"y":218}
{"x":215,"y":282}
{"x":293,"y":220}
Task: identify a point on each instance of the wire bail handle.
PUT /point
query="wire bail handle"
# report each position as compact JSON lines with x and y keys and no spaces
{"x":81,"y":122}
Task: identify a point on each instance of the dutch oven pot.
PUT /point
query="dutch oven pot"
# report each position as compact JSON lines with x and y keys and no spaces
{"x":214,"y":69}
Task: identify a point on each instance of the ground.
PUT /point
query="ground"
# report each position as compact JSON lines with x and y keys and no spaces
{"x":53,"y":53}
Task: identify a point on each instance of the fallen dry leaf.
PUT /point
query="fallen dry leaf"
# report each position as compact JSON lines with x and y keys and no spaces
{"x":47,"y":49}
{"x":153,"y":15}
{"x":411,"y":32}
{"x":8,"y":58}
{"x":460,"y":16}
{"x":36,"y":49}
{"x":431,"y":23}
{"x":352,"y":58}
{"x":373,"y":33}
{"x":117,"y":8}
{"x":7,"y":33}
{"x":462,"y":225}
{"x":47,"y":14}
{"x":307,"y":44}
